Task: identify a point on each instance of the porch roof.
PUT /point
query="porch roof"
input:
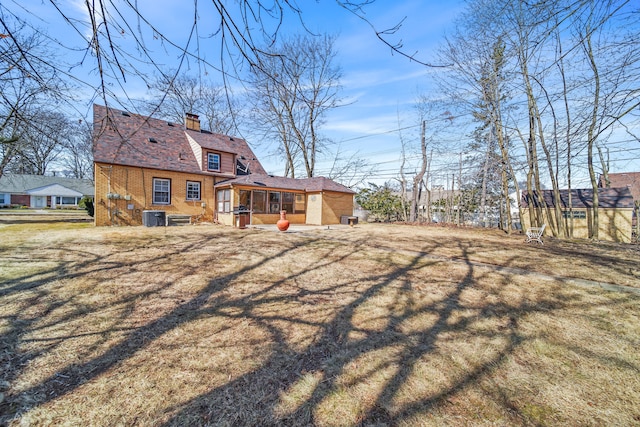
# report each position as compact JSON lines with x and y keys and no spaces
{"x":309,"y":185}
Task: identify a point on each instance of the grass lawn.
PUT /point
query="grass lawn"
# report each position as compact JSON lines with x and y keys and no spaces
{"x":376,"y":325}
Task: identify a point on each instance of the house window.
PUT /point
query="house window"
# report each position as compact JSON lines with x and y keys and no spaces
{"x":193,"y":190}
{"x":213,"y":162}
{"x":224,"y":201}
{"x":161,"y":191}
{"x":66,"y":200}
{"x":274,"y":202}
{"x":259,"y":201}
{"x":287,"y":202}
{"x":575,"y":214}
{"x":4,"y":200}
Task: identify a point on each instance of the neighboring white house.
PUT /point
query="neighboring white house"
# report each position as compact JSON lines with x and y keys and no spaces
{"x":37,"y":191}
{"x":58,"y":196}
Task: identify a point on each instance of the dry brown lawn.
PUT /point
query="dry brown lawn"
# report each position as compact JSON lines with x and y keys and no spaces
{"x":372,"y":325}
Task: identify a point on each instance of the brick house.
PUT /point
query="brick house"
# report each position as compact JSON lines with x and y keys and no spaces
{"x":615,"y":211}
{"x":145,"y":165}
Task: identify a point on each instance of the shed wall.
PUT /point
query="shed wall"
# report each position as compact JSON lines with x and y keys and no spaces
{"x":613,"y":224}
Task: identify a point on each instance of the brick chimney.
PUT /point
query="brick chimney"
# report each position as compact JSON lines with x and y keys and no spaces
{"x":192,"y":122}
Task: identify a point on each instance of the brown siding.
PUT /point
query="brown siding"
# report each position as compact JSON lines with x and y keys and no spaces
{"x":137,"y":185}
{"x":227,"y":162}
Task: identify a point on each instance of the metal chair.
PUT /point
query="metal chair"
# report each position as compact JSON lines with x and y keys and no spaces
{"x":534,"y":234}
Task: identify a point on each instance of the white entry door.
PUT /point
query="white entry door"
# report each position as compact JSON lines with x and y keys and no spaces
{"x":40,"y":202}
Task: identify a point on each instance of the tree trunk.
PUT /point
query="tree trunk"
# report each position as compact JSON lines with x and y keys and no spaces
{"x":417,"y":180}
{"x":591,"y":136}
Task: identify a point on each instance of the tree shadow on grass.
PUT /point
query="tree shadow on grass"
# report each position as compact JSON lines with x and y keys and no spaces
{"x":379,"y":334}
{"x":256,"y":398}
{"x":68,"y":379}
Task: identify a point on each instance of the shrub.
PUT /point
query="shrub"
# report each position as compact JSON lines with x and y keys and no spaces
{"x":87,"y":203}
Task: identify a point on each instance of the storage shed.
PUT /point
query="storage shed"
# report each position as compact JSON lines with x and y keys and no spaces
{"x":615,"y":211}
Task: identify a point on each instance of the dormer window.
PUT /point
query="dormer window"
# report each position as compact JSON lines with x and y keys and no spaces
{"x":213,"y":161}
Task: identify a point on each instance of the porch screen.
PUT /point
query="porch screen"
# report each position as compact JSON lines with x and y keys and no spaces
{"x":259,"y":201}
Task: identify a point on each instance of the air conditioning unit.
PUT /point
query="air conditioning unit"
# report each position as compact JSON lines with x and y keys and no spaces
{"x":153,"y":218}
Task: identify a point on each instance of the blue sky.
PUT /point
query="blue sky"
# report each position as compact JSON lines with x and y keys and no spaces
{"x":380,"y":88}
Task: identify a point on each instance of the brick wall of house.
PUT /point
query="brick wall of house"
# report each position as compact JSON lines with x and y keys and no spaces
{"x":260,"y":219}
{"x":134,"y":187}
{"x":20,"y":199}
{"x":335,"y":205}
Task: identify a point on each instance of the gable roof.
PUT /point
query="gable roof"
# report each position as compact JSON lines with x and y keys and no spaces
{"x":582,"y":198}
{"x":624,"y":179}
{"x":54,"y":190}
{"x":22,"y":184}
{"x":129,"y":139}
{"x":309,"y":185}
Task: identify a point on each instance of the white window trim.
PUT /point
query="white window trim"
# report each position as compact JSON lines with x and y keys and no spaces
{"x":224,"y":205}
{"x":154,"y":201}
{"x":209,"y":162}
{"x":199,"y":190}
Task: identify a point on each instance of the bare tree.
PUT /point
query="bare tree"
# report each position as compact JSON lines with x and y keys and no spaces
{"x":77,"y":155}
{"x":402,"y":180}
{"x":41,"y":142}
{"x":417,"y":179}
{"x":125,"y":43}
{"x":27,"y":80}
{"x":351,"y":171}
{"x":477,"y":79}
{"x":293,"y":88}
{"x":570,"y":111}
{"x":179,"y":94}
{"x":615,"y":67}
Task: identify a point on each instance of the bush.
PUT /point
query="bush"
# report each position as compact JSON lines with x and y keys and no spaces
{"x":88,"y":205}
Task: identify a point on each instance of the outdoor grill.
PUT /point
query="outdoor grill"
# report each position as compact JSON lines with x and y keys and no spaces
{"x":241,"y":217}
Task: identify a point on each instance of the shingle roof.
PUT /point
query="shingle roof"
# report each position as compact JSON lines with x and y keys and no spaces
{"x":314,"y":184}
{"x":20,"y":184}
{"x":583,"y":198}
{"x":134,"y":140}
